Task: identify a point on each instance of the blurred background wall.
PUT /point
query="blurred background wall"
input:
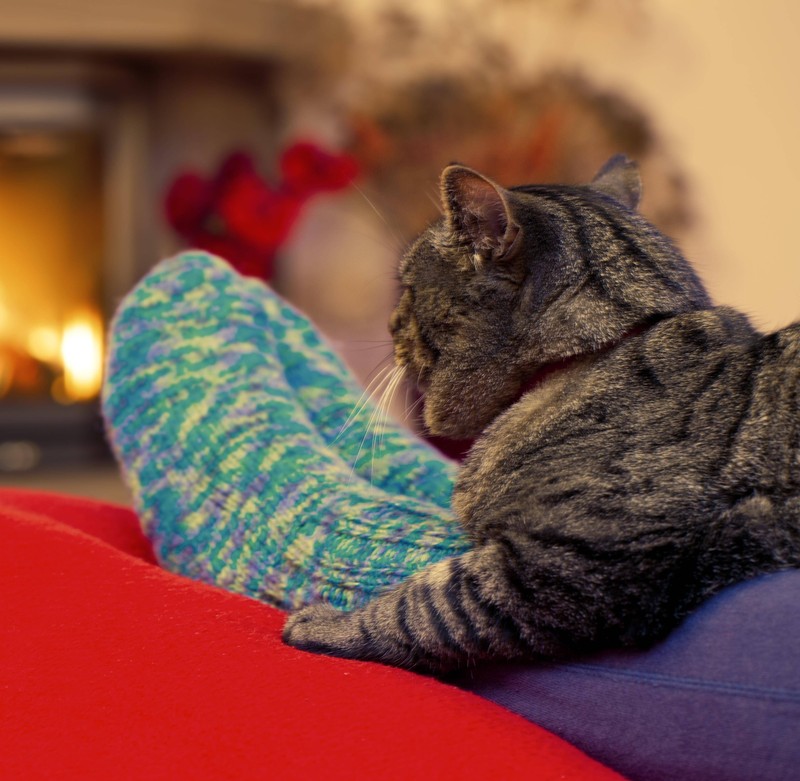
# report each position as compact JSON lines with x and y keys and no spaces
{"x":716,"y":81}
{"x":303,"y":140}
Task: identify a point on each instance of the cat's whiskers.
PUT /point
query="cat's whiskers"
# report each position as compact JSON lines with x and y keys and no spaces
{"x":398,"y":375}
{"x":379,"y":420}
{"x":374,"y":418}
{"x":399,"y":243}
{"x":352,"y":224}
{"x":366,"y":397}
{"x":370,"y":344}
{"x":413,"y":408}
{"x":382,"y":402}
{"x":373,"y":393}
{"x":436,"y":202}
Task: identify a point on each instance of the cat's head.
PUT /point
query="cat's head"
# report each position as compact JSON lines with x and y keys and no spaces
{"x":510,"y":280}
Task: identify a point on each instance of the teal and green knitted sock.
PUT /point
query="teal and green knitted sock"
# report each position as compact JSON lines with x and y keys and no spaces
{"x":234,"y":483}
{"x":378,"y":449}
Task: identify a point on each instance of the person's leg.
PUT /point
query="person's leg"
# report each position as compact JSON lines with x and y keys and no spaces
{"x":233,"y":482}
{"x":379,"y":450}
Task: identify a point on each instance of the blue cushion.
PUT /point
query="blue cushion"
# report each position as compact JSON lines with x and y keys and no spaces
{"x":718,"y":699}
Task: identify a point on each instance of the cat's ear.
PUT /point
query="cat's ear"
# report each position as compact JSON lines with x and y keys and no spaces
{"x":477,"y":209}
{"x":619,"y":178}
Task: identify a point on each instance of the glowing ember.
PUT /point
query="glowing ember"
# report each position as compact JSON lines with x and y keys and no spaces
{"x":82,"y":356}
{"x":44,"y":344}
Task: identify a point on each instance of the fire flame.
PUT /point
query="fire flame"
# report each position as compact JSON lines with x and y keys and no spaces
{"x":82,"y":355}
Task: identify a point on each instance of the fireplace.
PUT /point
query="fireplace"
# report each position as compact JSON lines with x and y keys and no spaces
{"x":86,"y":148}
{"x":101,"y":105}
{"x":51,"y":242}
{"x":56,"y":179}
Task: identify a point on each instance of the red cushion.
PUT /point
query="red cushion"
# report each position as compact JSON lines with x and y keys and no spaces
{"x":113,"y":668}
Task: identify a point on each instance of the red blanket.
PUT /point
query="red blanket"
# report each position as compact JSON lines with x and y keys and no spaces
{"x":111,"y":668}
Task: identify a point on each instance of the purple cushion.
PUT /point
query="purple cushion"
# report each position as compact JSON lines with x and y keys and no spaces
{"x":718,"y":699}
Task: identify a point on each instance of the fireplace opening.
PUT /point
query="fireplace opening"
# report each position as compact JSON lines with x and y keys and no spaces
{"x":52,"y":316}
{"x":88,"y":144}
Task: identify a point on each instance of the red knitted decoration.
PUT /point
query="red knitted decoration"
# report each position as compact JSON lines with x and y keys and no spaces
{"x":238,"y":215}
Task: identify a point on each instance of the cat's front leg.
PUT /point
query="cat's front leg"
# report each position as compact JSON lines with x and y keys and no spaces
{"x":441,"y":618}
{"x":370,"y":633}
{"x":323,"y":629}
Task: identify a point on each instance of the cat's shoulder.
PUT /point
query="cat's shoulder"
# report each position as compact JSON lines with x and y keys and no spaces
{"x":702,"y":330}
{"x":686,"y":345}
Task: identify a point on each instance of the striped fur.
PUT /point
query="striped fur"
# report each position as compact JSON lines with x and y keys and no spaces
{"x":658,"y":465}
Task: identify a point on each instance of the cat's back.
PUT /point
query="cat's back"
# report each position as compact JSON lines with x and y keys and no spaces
{"x":700,"y":410}
{"x":656,"y":421}
{"x":684,"y":438}
{"x":692,"y":373}
{"x":766,"y":454}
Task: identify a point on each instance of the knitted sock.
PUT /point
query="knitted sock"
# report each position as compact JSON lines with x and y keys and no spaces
{"x":377,"y":449}
{"x":232,"y":480}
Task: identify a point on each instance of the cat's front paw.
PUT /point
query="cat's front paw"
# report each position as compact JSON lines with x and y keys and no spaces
{"x":322,"y":629}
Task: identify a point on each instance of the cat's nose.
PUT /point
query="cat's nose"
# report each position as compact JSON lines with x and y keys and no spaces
{"x":400,"y":356}
{"x":395,"y":323}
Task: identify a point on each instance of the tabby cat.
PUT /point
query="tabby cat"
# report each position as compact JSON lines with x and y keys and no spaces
{"x":638,"y":448}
